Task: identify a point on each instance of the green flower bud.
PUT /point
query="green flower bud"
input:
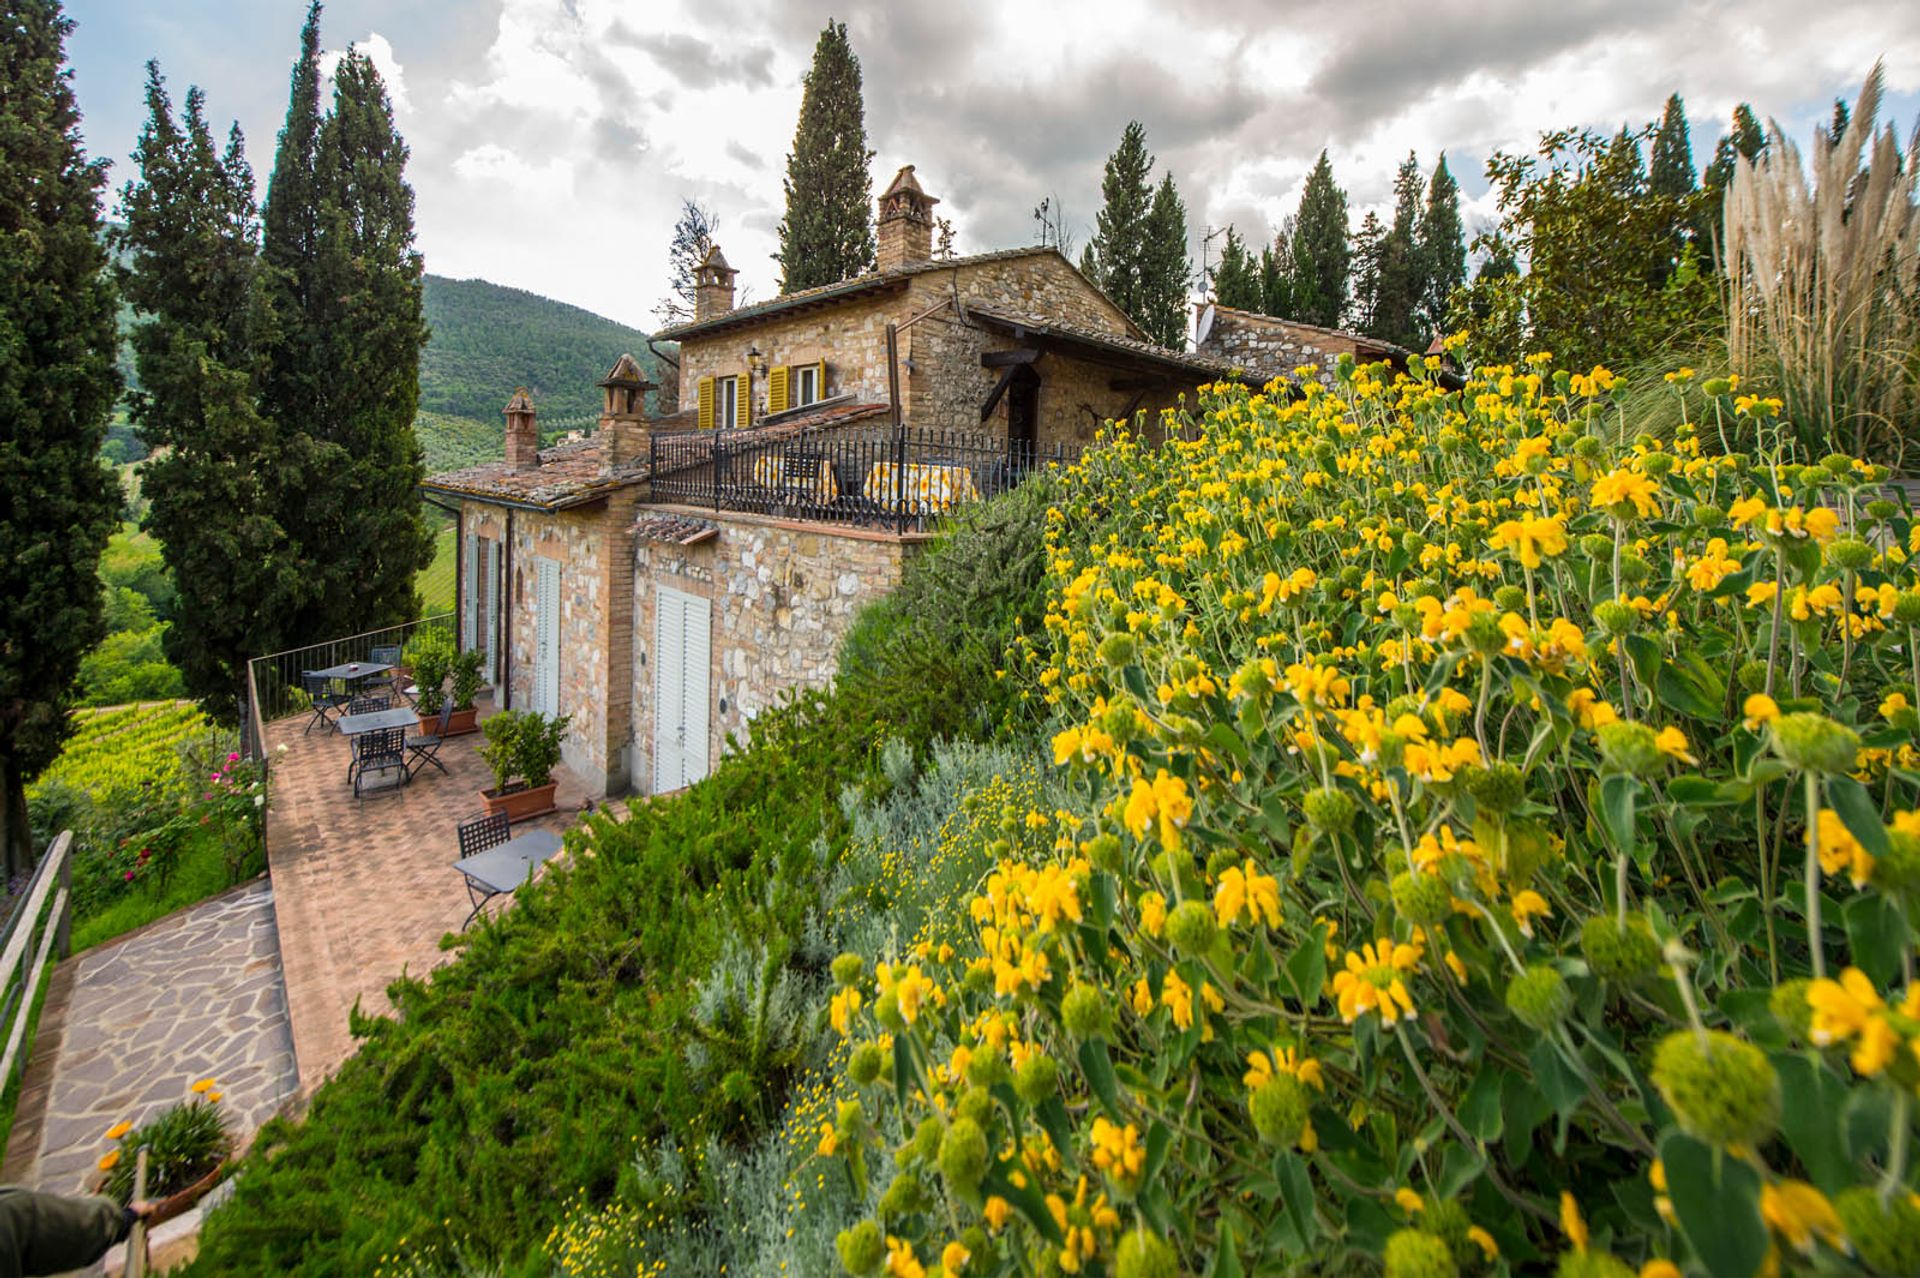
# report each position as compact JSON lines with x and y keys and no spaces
{"x":1597,"y":546}
{"x":1510,"y":599}
{"x":979,"y":978}
{"x":848,"y":968}
{"x":1906,"y":608}
{"x":924,"y":1142}
{"x":1788,"y":1003}
{"x":1619,"y":953}
{"x":1849,"y":554}
{"x":1497,"y":789}
{"x":1191,"y":929}
{"x":1484,"y":635}
{"x":1724,"y":1091}
{"x":1881,"y":510}
{"x":963,"y":1156}
{"x":1117,"y":649}
{"x":1330,"y":809}
{"x":1898,"y":871}
{"x":1587,"y":448}
{"x":1539,"y":997}
{"x":1811,"y":477}
{"x":1447,"y":1220}
{"x":1422,"y":899}
{"x":886,"y":1010}
{"x":1753,"y":676}
{"x":1886,"y":1237}
{"x":861,"y":1248}
{"x":1634,"y":569}
{"x":1707,"y":517}
{"x":1037,"y":1078}
{"x":1279,"y":1108}
{"x":987,"y":1067}
{"x":1406,"y":616}
{"x":1144,"y":1255}
{"x":1815,"y":743}
{"x":866,"y":1063}
{"x":1615,"y":618}
{"x":1839,"y":465}
{"x":1083,"y":1009}
{"x":1657,"y":464}
{"x":1715,"y":387}
{"x":975,"y":1103}
{"x":1103,"y":851}
{"x":1415,"y":1253}
{"x":903,"y":1197}
{"x":1630,"y":747}
{"x":1413,"y":543}
{"x":848,"y":1118}
{"x":1591,"y":1264}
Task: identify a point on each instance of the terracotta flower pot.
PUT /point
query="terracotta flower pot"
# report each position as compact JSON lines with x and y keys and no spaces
{"x":523,"y":803}
{"x":463,"y":722}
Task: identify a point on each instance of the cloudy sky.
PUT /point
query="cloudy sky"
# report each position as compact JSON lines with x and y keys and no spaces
{"x":554,"y":139}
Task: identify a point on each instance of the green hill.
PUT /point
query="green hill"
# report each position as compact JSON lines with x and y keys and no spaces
{"x":487,"y":339}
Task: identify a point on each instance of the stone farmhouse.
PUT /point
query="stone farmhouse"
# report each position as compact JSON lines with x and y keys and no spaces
{"x":668,"y":577}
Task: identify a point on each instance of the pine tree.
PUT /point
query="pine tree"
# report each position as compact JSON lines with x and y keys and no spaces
{"x":692,"y":237}
{"x":57,"y":387}
{"x":1166,"y":267}
{"x":1442,"y":246}
{"x":1276,"y":271}
{"x":1672,"y":173}
{"x":1399,"y":267}
{"x":1369,"y":246}
{"x":1118,"y":249}
{"x":191,"y":238}
{"x":294,"y":379}
{"x":367,"y":312}
{"x":1236,"y":281}
{"x":827,"y":234}
{"x":1320,"y":250}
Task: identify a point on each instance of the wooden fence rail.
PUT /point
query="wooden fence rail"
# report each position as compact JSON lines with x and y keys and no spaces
{"x":32,"y":918}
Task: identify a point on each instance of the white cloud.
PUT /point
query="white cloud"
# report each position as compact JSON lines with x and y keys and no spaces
{"x":379,"y":51}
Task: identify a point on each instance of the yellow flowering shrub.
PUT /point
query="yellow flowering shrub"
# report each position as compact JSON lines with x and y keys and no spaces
{"x":1493,"y":852}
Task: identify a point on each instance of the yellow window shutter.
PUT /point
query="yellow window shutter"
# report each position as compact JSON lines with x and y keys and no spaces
{"x":706,"y":403}
{"x":777,"y":379}
{"x":820,"y":379}
{"x":743,"y":400}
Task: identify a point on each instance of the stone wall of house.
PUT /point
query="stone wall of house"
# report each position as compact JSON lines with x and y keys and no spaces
{"x":596,"y":598}
{"x":782,"y":596}
{"x":1268,"y":347}
{"x":1043,"y":284}
{"x":851,"y":338}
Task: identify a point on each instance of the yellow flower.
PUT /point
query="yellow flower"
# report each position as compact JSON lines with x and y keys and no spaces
{"x":1660,"y":1267}
{"x":1153,"y":913}
{"x":1178,"y":995}
{"x":1758,"y":709}
{"x":119,"y":1129}
{"x":1571,"y":1223}
{"x":841,"y":1010}
{"x":109,"y":1160}
{"x":1527,"y":906}
{"x":204,"y":1085}
{"x":1895,"y":702}
{"x":829,"y":1141}
{"x":1118,"y":1152}
{"x":1850,"y":1008}
{"x":954,"y":1258}
{"x":901,"y":1262}
{"x":1247,"y":891}
{"x":997,"y":1211}
{"x":1371,"y":981}
{"x":1529,"y":538}
{"x":1588,"y":710}
{"x":1797,"y":1212}
{"x":1164,"y":800}
{"x":1619,"y":489}
{"x":1488,"y":1247}
{"x":1673,"y":743}
{"x":1840,"y":850}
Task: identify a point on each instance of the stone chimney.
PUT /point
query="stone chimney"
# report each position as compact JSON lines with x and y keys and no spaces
{"x":906,"y":223}
{"x":523,"y":436}
{"x":712,"y":286}
{"x":623,"y":413}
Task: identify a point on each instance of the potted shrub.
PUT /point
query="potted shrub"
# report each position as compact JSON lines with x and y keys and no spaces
{"x":466,"y":686}
{"x":187,"y":1150}
{"x":522,"y":749}
{"x":429,"y":655}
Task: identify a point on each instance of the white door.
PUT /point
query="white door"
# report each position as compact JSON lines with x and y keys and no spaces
{"x":546,"y":637}
{"x":490,"y":611}
{"x":680,"y":689}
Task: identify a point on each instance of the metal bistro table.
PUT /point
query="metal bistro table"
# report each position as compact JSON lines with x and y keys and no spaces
{"x":352,"y":672}
{"x":502,"y":869}
{"x":352,"y":725}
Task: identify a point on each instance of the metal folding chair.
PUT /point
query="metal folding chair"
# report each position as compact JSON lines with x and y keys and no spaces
{"x":369,"y":705}
{"x":378,"y":751}
{"x":478,"y":835}
{"x":324,"y":696}
{"x":426,"y":747}
{"x":388,"y":654}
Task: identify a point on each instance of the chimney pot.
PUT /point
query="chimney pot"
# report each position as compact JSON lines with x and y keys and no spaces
{"x":623,"y":417}
{"x":523,"y":433}
{"x":906,"y":223}
{"x":712,"y":286}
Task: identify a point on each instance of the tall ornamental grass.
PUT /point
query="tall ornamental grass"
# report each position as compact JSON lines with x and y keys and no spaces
{"x":1823,"y":267}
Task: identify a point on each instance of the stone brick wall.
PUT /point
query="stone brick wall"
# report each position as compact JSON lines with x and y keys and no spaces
{"x":1043,"y":284}
{"x":1268,"y":347}
{"x":851,"y":338}
{"x":782,"y":597}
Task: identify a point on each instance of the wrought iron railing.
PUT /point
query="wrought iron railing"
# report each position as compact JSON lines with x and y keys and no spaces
{"x":273,"y":681}
{"x":878,"y":477}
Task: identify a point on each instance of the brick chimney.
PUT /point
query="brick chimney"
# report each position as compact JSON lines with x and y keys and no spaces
{"x":523,"y":436}
{"x":712,"y":286}
{"x":906,"y":223}
{"x":623,"y":414}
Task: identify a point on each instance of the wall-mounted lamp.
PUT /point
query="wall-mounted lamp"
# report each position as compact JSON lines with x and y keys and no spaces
{"x":755,"y":360}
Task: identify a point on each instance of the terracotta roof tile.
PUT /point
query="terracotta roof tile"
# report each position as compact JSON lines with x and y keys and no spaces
{"x":1207,"y":365}
{"x":674,"y":530}
{"x":569,"y":474}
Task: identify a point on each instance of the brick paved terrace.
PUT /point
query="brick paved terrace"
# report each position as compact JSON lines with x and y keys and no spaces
{"x":363,"y":891}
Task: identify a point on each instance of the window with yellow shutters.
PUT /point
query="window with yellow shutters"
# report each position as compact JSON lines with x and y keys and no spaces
{"x":777,"y":382}
{"x":705,"y":416}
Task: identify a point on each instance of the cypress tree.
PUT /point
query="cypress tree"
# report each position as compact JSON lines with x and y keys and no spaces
{"x":1400,"y":269}
{"x":1276,"y":270}
{"x":1236,"y":281}
{"x":827,"y":234}
{"x":1442,"y":247}
{"x":1369,"y":244}
{"x":190,"y":242}
{"x":57,"y":388}
{"x":1118,"y":250}
{"x":1744,"y":138}
{"x":1673,"y":174}
{"x":367,"y":314}
{"x":1320,"y":250}
{"x":294,"y":380}
{"x":1167,"y":268}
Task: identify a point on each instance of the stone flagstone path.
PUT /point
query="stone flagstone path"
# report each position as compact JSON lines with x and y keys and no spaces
{"x":196,"y":994}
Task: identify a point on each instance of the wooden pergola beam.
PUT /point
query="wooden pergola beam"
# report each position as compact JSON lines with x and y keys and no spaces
{"x":1012,"y":358}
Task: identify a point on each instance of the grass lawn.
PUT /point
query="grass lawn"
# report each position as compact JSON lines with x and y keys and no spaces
{"x":202,"y":873}
{"x":436,"y":582}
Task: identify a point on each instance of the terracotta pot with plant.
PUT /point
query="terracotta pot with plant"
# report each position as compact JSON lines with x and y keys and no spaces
{"x":465,"y":667}
{"x":429,"y":655}
{"x":187,"y":1149}
{"x":522,"y":749}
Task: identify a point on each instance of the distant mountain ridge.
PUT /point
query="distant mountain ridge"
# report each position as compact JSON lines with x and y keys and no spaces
{"x":488,"y":339}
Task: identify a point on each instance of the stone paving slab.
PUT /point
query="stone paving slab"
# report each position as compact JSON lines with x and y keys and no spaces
{"x":364,"y":890}
{"x":195,"y":995}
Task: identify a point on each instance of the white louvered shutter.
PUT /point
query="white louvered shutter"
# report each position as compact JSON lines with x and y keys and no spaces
{"x":546,"y":656}
{"x":470,"y":604}
{"x":694,"y":688}
{"x":490,"y":610}
{"x":668,"y":624}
